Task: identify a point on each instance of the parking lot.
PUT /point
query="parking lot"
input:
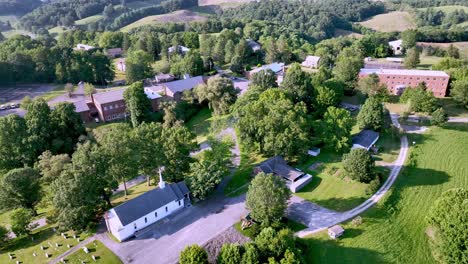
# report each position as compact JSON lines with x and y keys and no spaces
{"x":17,"y":92}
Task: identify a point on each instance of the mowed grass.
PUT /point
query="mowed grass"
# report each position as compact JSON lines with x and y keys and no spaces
{"x":394,"y":230}
{"x":102,"y":253}
{"x":89,"y":20}
{"x":448,"y":104}
{"x":180,"y":16}
{"x":426,"y":62}
{"x":448,"y":8}
{"x":200,"y":124}
{"x":23,"y":248}
{"x":390,"y":22}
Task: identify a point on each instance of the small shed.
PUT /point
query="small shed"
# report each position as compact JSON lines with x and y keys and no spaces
{"x":311,"y":62}
{"x":314,"y":151}
{"x":335,"y":231}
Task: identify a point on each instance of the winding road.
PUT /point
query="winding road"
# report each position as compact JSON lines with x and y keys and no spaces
{"x":318,"y":218}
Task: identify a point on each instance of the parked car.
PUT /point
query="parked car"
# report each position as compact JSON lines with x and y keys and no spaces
{"x":14,"y":105}
{"x":3,"y":107}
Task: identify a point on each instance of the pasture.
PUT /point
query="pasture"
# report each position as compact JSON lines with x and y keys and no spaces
{"x":180,"y":16}
{"x":394,"y":231}
{"x":88,"y":20}
{"x":394,"y":21}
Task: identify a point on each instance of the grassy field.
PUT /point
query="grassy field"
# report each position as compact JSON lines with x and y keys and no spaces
{"x":393,"y":21}
{"x":223,"y":3}
{"x":102,"y":253}
{"x":426,"y":62}
{"x":89,"y":20}
{"x":447,"y":9}
{"x":394,"y":230}
{"x":450,"y":107}
{"x":13,"y":32}
{"x":462,"y":46}
{"x":23,"y":249}
{"x":200,"y":124}
{"x":180,"y":16}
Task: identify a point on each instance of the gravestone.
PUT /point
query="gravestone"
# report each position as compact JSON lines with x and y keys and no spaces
{"x":47,"y":255}
{"x":93,"y":257}
{"x":86,"y":250}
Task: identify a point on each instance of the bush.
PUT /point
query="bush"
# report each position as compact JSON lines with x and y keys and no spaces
{"x":193,"y":254}
{"x":373,"y":186}
{"x":230,"y":254}
{"x":439,"y":117}
{"x":359,"y":165}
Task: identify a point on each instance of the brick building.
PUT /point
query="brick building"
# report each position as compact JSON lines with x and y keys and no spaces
{"x":110,"y":105}
{"x":397,"y":80}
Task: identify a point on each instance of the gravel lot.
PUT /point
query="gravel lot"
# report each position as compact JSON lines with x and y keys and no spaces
{"x":231,"y":235}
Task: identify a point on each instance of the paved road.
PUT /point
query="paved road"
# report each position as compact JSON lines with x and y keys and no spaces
{"x":318,"y":218}
{"x":195,"y":225}
{"x":458,"y":119}
{"x":130,"y":183}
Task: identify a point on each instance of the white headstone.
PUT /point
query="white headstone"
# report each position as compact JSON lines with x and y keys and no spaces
{"x":93,"y":257}
{"x":68,"y":246}
{"x":42,"y":247}
{"x":56,"y":245}
{"x":46,"y":255}
{"x":86,"y":250}
{"x":34,"y":254}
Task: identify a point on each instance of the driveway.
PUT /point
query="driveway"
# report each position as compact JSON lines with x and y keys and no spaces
{"x":163,"y":241}
{"x":318,"y":218}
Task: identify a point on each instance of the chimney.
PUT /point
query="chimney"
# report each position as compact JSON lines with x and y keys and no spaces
{"x":162,"y":184}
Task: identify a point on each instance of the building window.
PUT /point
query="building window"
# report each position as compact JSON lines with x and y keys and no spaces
{"x":105,"y":108}
{"x":166,"y":208}
{"x":111,"y":107}
{"x":134,"y":226}
{"x":156,"y":214}
{"x":146,"y":220}
{"x":179,"y":203}
{"x":116,"y":106}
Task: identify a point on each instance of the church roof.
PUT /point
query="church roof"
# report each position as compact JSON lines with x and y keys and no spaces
{"x":150,"y":201}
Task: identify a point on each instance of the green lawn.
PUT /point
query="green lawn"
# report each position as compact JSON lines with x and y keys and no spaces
{"x":102,"y":253}
{"x":450,"y":107}
{"x":200,"y":124}
{"x":448,"y":8}
{"x":89,"y":20}
{"x":22,"y":249}
{"x":388,"y":145}
{"x":57,"y":91}
{"x":427,"y":62}
{"x":394,"y":230}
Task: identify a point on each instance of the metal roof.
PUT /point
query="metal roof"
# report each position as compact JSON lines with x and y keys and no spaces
{"x":150,"y":201}
{"x":405,"y":72}
{"x":365,"y":138}
{"x":185,"y":84}
{"x":275,"y":67}
{"x":81,"y":106}
{"x":109,"y":97}
{"x":277,"y":165}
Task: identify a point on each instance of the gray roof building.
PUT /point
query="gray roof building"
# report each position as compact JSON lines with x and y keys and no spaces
{"x":150,"y":201}
{"x":81,"y":106}
{"x":365,"y":139}
{"x":185,"y":84}
{"x":109,"y":97}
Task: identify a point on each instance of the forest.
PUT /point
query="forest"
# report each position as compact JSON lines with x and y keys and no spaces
{"x":19,"y":7}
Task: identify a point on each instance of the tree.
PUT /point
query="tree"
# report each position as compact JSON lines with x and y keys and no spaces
{"x":267,"y":198}
{"x":177,"y":145}
{"x":335,"y":129}
{"x":138,"y":103}
{"x":39,"y":126}
{"x":290,"y":258}
{"x":207,"y":173}
{"x":20,"y":188}
{"x":229,"y":51}
{"x":193,"y":254}
{"x":149,"y":138}
{"x":371,"y":115}
{"x":14,"y":150}
{"x":273,"y":243}
{"x":230,"y":254}
{"x":170,"y":116}
{"x":264,"y":79}
{"x":237,"y":64}
{"x":69,"y":89}
{"x":251,"y":254}
{"x":453,"y":52}
{"x":439,"y":117}
{"x":191,"y":40}
{"x":370,"y":86}
{"x":419,"y":99}
{"x":118,"y":150}
{"x":67,"y":127}
{"x":220,"y":94}
{"x":137,"y":66}
{"x":348,"y":64}
{"x":20,"y":221}
{"x":298,"y":84}
{"x":25,"y":102}
{"x":359,"y":165}
{"x":273,"y":122}
{"x":193,"y":63}
{"x":409,"y":38}
{"x":326,"y":97}
{"x":89,"y":89}
{"x":412,"y":58}
{"x":51,"y":166}
{"x":459,"y":92}
{"x":448,"y":217}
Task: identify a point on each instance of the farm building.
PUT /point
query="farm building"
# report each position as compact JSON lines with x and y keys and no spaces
{"x":114,"y":53}
{"x":397,"y":80}
{"x":365,"y":139}
{"x":128,"y":219}
{"x":295,"y":179}
{"x":311,"y":62}
{"x":396,"y":46}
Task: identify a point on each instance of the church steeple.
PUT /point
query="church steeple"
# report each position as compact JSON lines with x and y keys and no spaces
{"x":162,"y":184}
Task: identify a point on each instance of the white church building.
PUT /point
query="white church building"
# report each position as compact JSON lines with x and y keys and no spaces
{"x":125,"y":220}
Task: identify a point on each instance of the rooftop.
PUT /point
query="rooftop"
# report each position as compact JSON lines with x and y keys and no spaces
{"x":365,"y":138}
{"x":337,"y":229}
{"x":151,"y":92}
{"x":275,"y":67}
{"x":312,"y":59}
{"x":397,"y":42}
{"x":185,"y":84}
{"x":277,"y":165}
{"x":405,"y":72}
{"x":150,"y":202}
{"x":81,"y":106}
{"x":109,"y":97}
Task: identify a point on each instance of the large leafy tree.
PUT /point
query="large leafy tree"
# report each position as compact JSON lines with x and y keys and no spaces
{"x":298,"y":84}
{"x":412,"y":58}
{"x":193,"y":63}
{"x":273,"y":122}
{"x":267,"y":198}
{"x":67,"y":127}
{"x":51,"y":166}
{"x":335,"y":129}
{"x":137,"y":66}
{"x":20,"y":188}
{"x":177,"y":144}
{"x":20,"y":221}
{"x":264,"y":79}
{"x":138,"y":104}
{"x":371,"y":115}
{"x":459,"y":91}
{"x":39,"y":126}
{"x":359,"y":165}
{"x":193,"y":254}
{"x":14,"y":150}
{"x":220,"y":94}
{"x":449,"y":218}
{"x":370,"y":86}
{"x":348,"y":63}
{"x":439,"y":117}
{"x":326,"y":97}
{"x":419,"y":99}
{"x":149,"y":138}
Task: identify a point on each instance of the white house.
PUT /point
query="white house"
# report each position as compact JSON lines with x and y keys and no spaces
{"x":127,"y":219}
{"x":183,"y":50}
{"x":396,"y":46}
{"x":83,"y":47}
{"x":311,"y":62}
{"x":365,"y":139}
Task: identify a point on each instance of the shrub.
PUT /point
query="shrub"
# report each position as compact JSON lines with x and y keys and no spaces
{"x":439,"y":117}
{"x":373,"y":186}
{"x":230,"y":254}
{"x":359,"y":165}
{"x":193,"y":254}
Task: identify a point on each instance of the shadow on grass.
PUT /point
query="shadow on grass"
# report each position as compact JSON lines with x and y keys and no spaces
{"x":331,"y":251}
{"x":341,"y":204}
